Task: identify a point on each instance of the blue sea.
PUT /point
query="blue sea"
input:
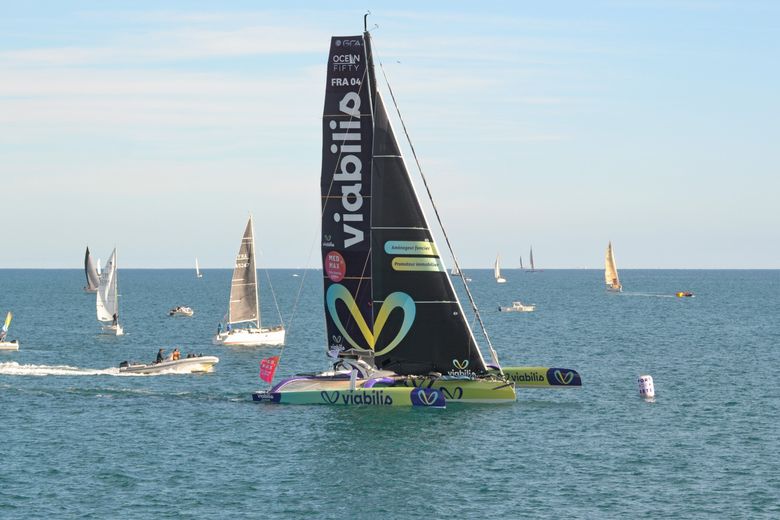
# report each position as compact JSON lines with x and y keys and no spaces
{"x":78,"y":440}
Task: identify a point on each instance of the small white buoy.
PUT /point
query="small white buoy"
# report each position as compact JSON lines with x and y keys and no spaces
{"x":646,"y":388}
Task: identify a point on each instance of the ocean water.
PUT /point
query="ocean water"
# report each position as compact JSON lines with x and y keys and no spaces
{"x":79,"y":440}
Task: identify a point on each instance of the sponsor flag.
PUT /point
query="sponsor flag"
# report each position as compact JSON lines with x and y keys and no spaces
{"x":268,"y":367}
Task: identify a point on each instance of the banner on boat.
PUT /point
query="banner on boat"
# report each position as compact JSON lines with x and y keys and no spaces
{"x":268,"y":368}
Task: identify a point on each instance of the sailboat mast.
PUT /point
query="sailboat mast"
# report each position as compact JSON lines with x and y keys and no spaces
{"x":254,"y":271}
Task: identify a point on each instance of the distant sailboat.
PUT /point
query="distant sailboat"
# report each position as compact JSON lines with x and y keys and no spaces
{"x":198,"y":274}
{"x":244,"y":302}
{"x":531,"y":259}
{"x":610,"y":271}
{"x":10,"y":344}
{"x":497,"y":270}
{"x":97,"y":267}
{"x":93,"y":277}
{"x":521,"y":263}
{"x":107,"y":300}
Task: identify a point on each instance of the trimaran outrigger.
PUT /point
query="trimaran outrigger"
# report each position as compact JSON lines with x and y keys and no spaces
{"x":396,"y":330}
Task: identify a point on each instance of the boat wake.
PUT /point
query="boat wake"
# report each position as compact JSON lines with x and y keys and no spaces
{"x":649,"y":295}
{"x":13,"y":368}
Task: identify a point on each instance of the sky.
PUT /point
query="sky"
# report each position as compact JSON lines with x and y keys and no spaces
{"x":158,"y":127}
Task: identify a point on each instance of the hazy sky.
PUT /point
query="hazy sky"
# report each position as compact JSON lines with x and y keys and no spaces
{"x":562,"y":125}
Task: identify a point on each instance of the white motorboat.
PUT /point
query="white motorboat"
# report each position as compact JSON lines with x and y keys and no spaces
{"x":186,"y":365}
{"x":243,"y":307}
{"x":518,"y":307}
{"x":181,"y":310}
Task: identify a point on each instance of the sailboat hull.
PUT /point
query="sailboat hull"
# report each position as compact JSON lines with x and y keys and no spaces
{"x":543,"y":377}
{"x":9,"y":345}
{"x":251,"y":337}
{"x":114,"y":330}
{"x":323,"y":389}
{"x":342,"y":395}
{"x":487,"y":391}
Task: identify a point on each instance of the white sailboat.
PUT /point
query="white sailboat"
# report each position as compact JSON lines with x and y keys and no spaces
{"x":244,"y":302}
{"x":198,"y":274}
{"x":7,"y":344}
{"x":497,"y":270}
{"x":610,"y":271}
{"x":107,"y":301}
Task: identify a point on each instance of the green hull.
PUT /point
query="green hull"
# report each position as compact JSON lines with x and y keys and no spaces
{"x":468,"y":390}
{"x":380,"y":397}
{"x":543,"y":377}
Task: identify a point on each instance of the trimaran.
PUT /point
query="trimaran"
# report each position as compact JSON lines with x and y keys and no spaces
{"x":396,"y":331}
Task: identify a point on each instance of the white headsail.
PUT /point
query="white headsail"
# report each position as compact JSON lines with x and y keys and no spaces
{"x":107,"y":301}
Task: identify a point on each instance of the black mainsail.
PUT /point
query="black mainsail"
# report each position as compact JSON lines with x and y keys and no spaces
{"x":386,"y":289}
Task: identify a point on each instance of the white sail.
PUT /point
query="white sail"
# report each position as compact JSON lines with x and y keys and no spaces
{"x":610,"y":270}
{"x":97,"y":267}
{"x":197,"y":269}
{"x":243,"y":289}
{"x":497,"y":270}
{"x":107,"y":302}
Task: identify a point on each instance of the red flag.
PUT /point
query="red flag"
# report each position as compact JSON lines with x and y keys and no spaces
{"x":268,"y":367}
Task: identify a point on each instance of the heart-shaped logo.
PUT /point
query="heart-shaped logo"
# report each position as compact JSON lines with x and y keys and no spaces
{"x":427,"y":397}
{"x":461,"y":365}
{"x":394,"y":300}
{"x":330,"y":397}
{"x":456,"y":392}
{"x":563,"y":378}
{"x":337,"y":339}
{"x":326,"y":237}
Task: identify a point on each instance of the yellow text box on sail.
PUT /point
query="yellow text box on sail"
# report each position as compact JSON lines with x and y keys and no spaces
{"x":410,"y":247}
{"x":405,"y":263}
